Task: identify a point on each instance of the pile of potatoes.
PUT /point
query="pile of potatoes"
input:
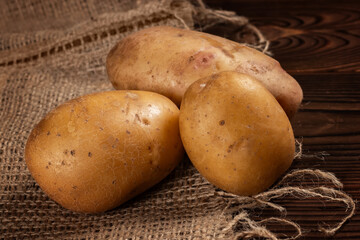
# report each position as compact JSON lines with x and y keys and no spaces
{"x":95,"y":152}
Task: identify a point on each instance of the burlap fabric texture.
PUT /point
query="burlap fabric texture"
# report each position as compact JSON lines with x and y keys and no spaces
{"x":53,"y":51}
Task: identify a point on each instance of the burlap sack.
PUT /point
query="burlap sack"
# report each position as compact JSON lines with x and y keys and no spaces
{"x":53,"y":51}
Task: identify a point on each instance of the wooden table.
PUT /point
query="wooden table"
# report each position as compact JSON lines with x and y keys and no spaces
{"x":318,"y":43}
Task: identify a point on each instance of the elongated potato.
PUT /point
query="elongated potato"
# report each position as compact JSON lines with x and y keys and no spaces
{"x":95,"y":152}
{"x":235,"y":133}
{"x":167,"y":60}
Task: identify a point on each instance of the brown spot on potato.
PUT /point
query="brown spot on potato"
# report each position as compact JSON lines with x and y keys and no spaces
{"x":254,"y":69}
{"x":89,"y":154}
{"x":66,"y":152}
{"x":214,"y":76}
{"x":114,"y":181}
{"x":127,"y":131}
{"x":222,"y":122}
{"x":146,"y":121}
{"x":63,"y":163}
{"x":72,"y":152}
{"x":58,"y":135}
{"x":48,"y":133}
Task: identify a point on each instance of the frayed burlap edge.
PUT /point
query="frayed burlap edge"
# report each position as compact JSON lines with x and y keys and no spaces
{"x":206,"y":18}
{"x":239,"y":206}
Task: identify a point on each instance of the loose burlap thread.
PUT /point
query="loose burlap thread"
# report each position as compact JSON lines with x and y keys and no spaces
{"x":53,"y":51}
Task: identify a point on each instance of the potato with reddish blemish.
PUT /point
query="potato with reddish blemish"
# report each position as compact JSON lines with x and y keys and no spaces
{"x":95,"y":152}
{"x":167,"y":60}
{"x":235,"y":133}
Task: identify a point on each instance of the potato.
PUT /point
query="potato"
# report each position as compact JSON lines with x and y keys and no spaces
{"x":235,"y":133}
{"x":167,"y":60}
{"x":95,"y":152}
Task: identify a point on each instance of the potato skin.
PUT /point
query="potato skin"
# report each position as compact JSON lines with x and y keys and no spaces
{"x":95,"y":152}
{"x":235,"y":133}
{"x":167,"y":60}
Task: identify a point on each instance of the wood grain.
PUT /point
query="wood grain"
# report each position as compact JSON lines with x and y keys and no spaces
{"x":318,"y":42}
{"x":306,"y":36}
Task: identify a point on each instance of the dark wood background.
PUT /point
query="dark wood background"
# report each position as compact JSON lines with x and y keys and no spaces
{"x":318,"y":43}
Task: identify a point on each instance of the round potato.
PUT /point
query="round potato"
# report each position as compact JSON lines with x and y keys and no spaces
{"x":95,"y":152}
{"x":167,"y":60}
{"x":235,"y":133}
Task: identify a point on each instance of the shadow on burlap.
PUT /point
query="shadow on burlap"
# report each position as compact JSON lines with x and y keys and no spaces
{"x":53,"y":51}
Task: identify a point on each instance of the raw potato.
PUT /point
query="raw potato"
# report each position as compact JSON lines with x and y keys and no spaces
{"x":167,"y":60}
{"x":235,"y":133}
{"x":95,"y":152}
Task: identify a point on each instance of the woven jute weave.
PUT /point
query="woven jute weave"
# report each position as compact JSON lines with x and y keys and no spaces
{"x":52,"y":51}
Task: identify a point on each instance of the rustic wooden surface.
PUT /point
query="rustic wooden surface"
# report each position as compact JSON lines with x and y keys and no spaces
{"x":318,"y":43}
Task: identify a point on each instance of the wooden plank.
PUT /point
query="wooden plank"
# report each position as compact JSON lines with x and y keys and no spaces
{"x":326,"y":123}
{"x":306,"y":37}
